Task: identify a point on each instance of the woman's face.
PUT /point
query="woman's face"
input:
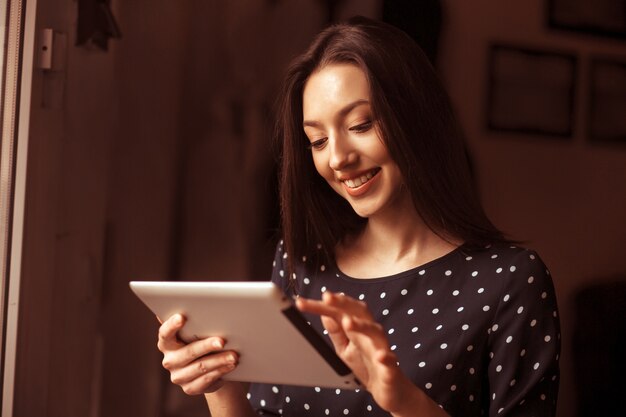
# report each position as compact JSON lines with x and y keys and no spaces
{"x":345,"y":142}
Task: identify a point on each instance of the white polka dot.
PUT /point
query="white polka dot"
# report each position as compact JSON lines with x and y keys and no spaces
{"x":422,"y":364}
{"x":460,"y":309}
{"x":498,"y":270}
{"x":449,"y":366}
{"x":429,"y":292}
{"x":520,"y":309}
{"x":422,"y":272}
{"x":369,"y":408}
{"x":547,"y":338}
{"x":428,"y":385}
{"x":273,"y":263}
{"x":469,"y":258}
{"x":498,"y":368}
{"x":325,"y":331}
{"x":471,"y":398}
{"x":494,"y":327}
{"x":554,"y":314}
{"x":523,"y":352}
{"x":285,"y":255}
{"x":506,"y":298}
{"x":494,"y":256}
{"x":544,"y":294}
{"x":500,"y":410}
{"x":248,"y":395}
{"x":512,"y":382}
{"x":306,"y":281}
{"x":531,"y":279}
{"x":536,"y":366}
{"x":472,"y":371}
{"x":391,"y":331}
{"x":323,"y":289}
{"x":281,"y":273}
{"x":345,"y":411}
{"x":453,"y":388}
{"x":404,"y":292}
{"x":361,"y":297}
{"x":480,"y":290}
{"x":491,"y":355}
{"x":393,"y":347}
{"x":448,"y":273}
{"x":287,"y":399}
{"x":470,"y":348}
{"x":512,"y":269}
{"x":337,"y":391}
{"x":417,"y":346}
{"x":443,"y":346}
{"x":465,"y":327}
{"x":455,"y":292}
{"x":304,"y":259}
{"x":493,"y":396}
{"x":323,"y":268}
{"x":409,"y":311}
{"x":435,"y":310}
{"x":532,"y":256}
{"x":509,"y":339}
{"x":262,"y":402}
{"x":486,"y":308}
{"x":382,"y":295}
{"x":439,"y":327}
{"x":275,"y":389}
{"x":306,"y":406}
{"x":474,"y":273}
{"x":327,"y":412}
{"x":385,"y":312}
{"x":414,"y":329}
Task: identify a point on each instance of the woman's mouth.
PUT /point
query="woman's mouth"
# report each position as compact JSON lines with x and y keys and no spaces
{"x":358,"y":185}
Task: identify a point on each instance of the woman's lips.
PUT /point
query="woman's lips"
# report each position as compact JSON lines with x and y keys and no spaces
{"x":360,"y":185}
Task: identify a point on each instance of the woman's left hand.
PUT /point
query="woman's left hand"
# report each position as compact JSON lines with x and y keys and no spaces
{"x":361,"y":343}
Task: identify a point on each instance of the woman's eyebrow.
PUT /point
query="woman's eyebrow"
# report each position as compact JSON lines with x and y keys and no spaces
{"x":345,"y":110}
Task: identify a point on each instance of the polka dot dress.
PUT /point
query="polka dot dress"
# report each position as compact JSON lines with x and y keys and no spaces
{"x":476,"y":330}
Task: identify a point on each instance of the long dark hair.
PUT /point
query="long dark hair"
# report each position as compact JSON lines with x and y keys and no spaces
{"x":417,"y":124}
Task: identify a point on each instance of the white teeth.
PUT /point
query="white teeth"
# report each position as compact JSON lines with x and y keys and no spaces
{"x":357,"y":182}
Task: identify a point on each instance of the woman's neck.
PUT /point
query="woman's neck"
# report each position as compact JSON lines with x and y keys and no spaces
{"x":391,"y":243}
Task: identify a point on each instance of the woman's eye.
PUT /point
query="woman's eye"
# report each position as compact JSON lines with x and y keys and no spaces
{"x":361,"y":128}
{"x":317,"y":144}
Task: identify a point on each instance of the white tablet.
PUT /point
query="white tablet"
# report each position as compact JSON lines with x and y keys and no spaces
{"x":273,"y":339}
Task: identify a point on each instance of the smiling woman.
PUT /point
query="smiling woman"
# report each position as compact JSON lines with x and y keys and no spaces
{"x":388,"y":249}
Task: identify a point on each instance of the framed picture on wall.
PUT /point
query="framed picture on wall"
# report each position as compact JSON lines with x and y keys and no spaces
{"x":597,"y":17}
{"x":531,"y":90}
{"x":607,"y":100}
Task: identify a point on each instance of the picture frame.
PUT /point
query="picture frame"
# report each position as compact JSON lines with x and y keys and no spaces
{"x":594,"y":17}
{"x":606,"y":112}
{"x":531,"y":91}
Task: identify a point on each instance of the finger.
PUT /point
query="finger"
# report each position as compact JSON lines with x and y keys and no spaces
{"x":168,"y":331}
{"x":203,"y":366}
{"x":346,"y":304}
{"x":336,"y":333}
{"x":208,"y":382}
{"x":186,"y":354}
{"x":367,"y":335}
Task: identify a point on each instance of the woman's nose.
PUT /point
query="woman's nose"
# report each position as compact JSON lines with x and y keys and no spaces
{"x":342,"y":154}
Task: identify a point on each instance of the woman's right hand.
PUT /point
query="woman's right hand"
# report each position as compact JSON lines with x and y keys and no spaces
{"x":198,"y":367}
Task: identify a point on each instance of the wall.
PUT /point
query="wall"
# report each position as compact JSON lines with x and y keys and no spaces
{"x":565,"y":198}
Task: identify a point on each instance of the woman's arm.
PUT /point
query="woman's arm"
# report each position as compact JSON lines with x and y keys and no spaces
{"x":198,"y":368}
{"x":361,"y":342}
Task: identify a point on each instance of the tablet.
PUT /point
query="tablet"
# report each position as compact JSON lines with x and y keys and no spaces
{"x":274,"y":341}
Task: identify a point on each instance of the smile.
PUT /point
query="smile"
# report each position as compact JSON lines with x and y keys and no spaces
{"x":357,"y":182}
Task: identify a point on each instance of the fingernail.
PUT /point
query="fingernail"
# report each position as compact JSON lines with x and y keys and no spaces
{"x":217,"y":344}
{"x":177,"y":319}
{"x":232,"y":359}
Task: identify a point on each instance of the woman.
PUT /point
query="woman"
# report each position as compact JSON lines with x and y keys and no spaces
{"x":421,"y":296}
